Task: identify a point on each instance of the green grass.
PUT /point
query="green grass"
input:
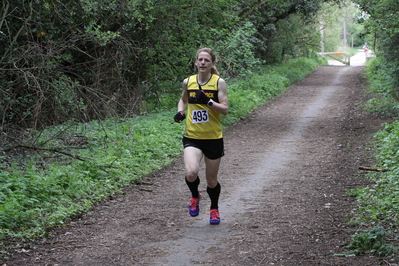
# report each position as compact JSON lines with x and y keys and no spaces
{"x":73,"y":166}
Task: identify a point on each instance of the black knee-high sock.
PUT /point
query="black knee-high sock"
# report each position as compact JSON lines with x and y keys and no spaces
{"x":193,"y":186}
{"x":214,"y":196}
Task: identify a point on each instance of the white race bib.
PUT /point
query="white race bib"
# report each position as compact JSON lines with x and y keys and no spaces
{"x":200,"y":116}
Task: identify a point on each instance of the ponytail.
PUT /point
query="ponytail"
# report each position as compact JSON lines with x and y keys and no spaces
{"x":215,"y":71}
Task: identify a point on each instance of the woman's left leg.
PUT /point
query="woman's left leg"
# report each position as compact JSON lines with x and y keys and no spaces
{"x":211,"y":172}
{"x":213,"y":187}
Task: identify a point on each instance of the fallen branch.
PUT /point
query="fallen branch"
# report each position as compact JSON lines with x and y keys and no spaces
{"x":140,"y":182}
{"x":372,"y":169}
{"x":55,"y":150}
{"x":60,"y":151}
{"x":145,"y":189}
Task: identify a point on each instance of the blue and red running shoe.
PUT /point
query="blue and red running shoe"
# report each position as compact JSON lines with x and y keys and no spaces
{"x":215,"y":217}
{"x":194,"y":208}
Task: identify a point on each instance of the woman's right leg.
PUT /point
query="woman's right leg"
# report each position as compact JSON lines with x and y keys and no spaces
{"x":192,"y":159}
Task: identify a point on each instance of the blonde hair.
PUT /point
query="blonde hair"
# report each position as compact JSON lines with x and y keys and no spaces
{"x":213,"y":56}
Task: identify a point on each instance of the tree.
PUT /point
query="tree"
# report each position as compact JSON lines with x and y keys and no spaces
{"x":91,"y":59}
{"x":381,"y":21}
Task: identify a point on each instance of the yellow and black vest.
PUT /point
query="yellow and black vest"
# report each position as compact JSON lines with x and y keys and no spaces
{"x":202,"y":122}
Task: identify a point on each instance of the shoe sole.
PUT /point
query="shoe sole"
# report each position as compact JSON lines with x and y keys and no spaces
{"x":195,"y":214}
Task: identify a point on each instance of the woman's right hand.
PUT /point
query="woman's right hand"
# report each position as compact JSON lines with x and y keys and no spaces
{"x":180,"y":116}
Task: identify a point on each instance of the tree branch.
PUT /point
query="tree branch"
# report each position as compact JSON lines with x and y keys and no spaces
{"x":6,"y":5}
{"x":372,"y":169}
{"x":14,"y":40}
{"x":56,"y":150}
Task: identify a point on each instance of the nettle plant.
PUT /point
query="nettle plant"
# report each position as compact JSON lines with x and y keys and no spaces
{"x":372,"y":242}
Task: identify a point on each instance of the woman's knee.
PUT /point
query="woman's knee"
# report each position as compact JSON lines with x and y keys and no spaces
{"x":191,"y":173}
{"x":211,"y":182}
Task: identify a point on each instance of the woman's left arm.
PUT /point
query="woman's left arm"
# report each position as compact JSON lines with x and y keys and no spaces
{"x":222,"y":106}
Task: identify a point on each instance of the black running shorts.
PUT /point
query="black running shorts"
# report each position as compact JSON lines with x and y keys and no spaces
{"x":211,"y":148}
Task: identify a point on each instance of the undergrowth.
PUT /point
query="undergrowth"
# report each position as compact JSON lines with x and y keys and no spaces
{"x":381,"y":78}
{"x":73,"y":166}
{"x":372,"y":242}
{"x":378,"y":203}
{"x":48,"y":189}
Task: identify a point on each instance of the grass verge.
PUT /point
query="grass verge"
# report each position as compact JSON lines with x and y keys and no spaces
{"x":377,"y":211}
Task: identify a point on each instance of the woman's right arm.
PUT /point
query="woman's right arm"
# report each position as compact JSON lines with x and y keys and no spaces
{"x":183,"y":102}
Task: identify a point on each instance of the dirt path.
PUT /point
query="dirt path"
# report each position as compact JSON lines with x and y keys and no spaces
{"x":284,"y":178}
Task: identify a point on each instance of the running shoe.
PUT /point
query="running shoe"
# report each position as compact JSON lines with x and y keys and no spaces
{"x":194,"y":208}
{"x":215,"y":217}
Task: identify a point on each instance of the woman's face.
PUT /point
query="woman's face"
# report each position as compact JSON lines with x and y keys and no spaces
{"x":204,"y":62}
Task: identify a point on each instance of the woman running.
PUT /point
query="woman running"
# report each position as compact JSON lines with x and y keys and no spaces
{"x":205,"y":98}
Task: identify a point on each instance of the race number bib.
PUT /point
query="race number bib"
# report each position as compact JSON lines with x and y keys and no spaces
{"x":200,"y":116}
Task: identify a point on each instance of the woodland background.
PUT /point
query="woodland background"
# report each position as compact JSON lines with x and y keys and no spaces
{"x":87,"y":59}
